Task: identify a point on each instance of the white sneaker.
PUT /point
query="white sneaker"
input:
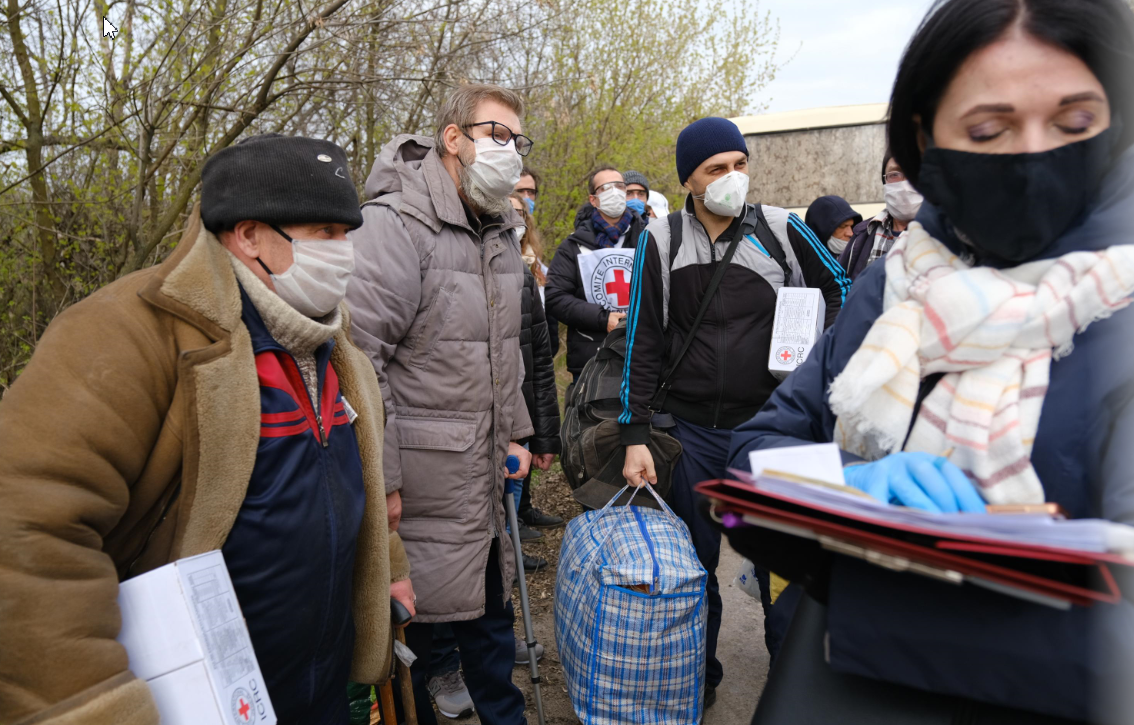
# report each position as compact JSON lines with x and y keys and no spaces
{"x":450,"y":695}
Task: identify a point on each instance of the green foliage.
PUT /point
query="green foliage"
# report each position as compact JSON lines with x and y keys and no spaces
{"x":618,"y":83}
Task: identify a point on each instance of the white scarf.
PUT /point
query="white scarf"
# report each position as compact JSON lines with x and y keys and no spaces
{"x":994,"y":334}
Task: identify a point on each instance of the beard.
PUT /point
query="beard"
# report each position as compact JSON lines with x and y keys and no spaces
{"x":480,"y":202}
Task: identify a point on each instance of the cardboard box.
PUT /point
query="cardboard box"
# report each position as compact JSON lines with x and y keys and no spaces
{"x":800,"y":314}
{"x":185,"y":635}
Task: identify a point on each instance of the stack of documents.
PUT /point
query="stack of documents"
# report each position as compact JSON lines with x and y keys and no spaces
{"x":1036,"y":557}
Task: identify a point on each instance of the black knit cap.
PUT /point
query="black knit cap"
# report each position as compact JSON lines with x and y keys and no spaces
{"x":279,"y":180}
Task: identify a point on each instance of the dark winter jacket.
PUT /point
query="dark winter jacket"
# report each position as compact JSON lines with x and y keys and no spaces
{"x":856,"y":256}
{"x":826,"y":214}
{"x":567,"y":297}
{"x":723,"y":379}
{"x":963,"y":640}
{"x":540,"y":393}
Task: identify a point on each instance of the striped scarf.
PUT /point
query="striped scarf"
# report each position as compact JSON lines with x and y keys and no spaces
{"x":607,"y":235}
{"x":993,"y":333}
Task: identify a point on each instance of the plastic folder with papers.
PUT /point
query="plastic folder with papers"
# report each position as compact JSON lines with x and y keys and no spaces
{"x":1037,"y":557}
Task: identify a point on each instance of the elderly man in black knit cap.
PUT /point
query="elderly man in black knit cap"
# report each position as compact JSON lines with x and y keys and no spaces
{"x":214,"y":401}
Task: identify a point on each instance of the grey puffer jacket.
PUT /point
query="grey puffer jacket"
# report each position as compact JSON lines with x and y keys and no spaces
{"x":436,"y":306}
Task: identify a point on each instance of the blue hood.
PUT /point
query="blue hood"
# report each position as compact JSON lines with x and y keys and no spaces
{"x":1108,"y":219}
{"x":826,"y":214}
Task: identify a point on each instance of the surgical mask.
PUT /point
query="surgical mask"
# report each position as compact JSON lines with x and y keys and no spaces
{"x":530,"y":204}
{"x":612,"y":202}
{"x":836,"y":245}
{"x":521,"y":231}
{"x":637,"y":205}
{"x":316,"y":282}
{"x":496,"y":169}
{"x":726,"y":195}
{"x":1012,"y":207}
{"x":902,"y":200}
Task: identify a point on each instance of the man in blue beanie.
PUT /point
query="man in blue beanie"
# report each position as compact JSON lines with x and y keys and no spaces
{"x":723,"y":379}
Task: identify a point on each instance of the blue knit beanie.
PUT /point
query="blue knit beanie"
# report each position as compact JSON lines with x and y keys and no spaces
{"x":704,"y":138}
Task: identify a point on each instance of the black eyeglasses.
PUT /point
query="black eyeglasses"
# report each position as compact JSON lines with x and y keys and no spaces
{"x":501,"y":134}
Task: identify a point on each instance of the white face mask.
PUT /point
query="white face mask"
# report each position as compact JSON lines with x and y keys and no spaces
{"x":726,"y":195}
{"x":496,"y":169}
{"x":520,"y":232}
{"x":902,"y":200}
{"x":612,"y":203}
{"x":836,"y":245}
{"x":316,"y":282}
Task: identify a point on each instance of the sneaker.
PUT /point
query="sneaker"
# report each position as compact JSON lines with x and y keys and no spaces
{"x":450,"y":695}
{"x":528,"y":534}
{"x":534,"y":563}
{"x":539,"y":520}
{"x":522,"y":651}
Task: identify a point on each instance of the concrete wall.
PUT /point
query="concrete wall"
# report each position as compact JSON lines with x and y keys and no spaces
{"x":793,"y":168}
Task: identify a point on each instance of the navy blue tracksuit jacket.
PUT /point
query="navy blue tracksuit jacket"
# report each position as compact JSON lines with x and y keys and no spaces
{"x":962,"y":640}
{"x":291,"y":549}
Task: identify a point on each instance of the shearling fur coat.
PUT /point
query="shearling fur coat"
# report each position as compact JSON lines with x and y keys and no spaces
{"x":128,"y":443}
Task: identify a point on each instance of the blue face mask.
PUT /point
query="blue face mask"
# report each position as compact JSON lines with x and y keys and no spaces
{"x":531,"y":205}
{"x":637,"y":205}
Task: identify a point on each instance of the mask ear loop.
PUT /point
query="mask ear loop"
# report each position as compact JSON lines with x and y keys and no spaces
{"x":283,"y":234}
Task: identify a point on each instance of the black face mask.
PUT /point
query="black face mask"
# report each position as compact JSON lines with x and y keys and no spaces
{"x":1012,"y":207}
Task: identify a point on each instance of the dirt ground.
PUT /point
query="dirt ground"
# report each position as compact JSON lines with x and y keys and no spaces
{"x":740,"y":649}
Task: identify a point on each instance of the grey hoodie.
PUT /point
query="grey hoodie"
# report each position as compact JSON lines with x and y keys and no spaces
{"x":437,"y":309}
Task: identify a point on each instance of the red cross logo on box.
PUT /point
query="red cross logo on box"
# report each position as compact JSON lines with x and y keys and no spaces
{"x":785,"y":355}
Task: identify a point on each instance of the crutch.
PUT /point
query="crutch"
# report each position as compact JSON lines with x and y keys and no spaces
{"x":399,"y":617}
{"x":513,"y":465}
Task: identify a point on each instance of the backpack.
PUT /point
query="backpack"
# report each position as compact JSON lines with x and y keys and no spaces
{"x":593,"y":455}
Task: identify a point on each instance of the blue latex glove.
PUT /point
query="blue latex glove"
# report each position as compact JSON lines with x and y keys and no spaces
{"x":917,"y":480}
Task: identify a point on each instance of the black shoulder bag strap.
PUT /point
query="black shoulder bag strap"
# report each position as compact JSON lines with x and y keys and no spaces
{"x":772,"y":244}
{"x":706,"y":300}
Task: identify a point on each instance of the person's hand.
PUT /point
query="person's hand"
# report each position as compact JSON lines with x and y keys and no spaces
{"x":543,"y":461}
{"x":403,"y":592}
{"x":917,"y":480}
{"x":639,"y":467}
{"x":517,"y":450}
{"x":613,"y":319}
{"x":394,"y":509}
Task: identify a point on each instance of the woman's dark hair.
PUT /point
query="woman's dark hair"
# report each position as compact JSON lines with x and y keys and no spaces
{"x":1098,"y":32}
{"x":885,"y":163}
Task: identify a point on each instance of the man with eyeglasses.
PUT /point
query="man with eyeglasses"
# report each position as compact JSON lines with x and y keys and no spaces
{"x":605,"y":222}
{"x":435,"y":303}
{"x":873,"y":238}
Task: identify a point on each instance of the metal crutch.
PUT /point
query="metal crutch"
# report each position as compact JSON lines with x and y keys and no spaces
{"x":513,"y":465}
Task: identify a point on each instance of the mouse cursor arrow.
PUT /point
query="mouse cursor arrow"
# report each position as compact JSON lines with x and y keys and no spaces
{"x":108,"y":30}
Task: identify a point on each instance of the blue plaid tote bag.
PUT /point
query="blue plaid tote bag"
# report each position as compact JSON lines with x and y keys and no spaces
{"x":630,"y":615}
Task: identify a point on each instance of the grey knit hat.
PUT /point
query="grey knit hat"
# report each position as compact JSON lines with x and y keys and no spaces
{"x":636,"y":177}
{"x":279,"y":180}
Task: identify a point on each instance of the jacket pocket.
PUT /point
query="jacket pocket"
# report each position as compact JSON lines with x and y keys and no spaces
{"x":437,"y":456}
{"x":431,"y":328}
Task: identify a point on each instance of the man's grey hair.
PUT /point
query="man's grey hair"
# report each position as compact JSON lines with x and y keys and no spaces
{"x":460,"y":108}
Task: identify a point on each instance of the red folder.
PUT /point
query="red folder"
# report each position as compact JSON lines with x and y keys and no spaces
{"x":1047,"y":575}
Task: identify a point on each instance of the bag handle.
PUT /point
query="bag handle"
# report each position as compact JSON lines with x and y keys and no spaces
{"x":714,"y":283}
{"x":664,"y":507}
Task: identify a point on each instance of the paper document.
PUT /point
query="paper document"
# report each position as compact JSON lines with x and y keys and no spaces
{"x":1090,"y":535}
{"x":819,"y":462}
